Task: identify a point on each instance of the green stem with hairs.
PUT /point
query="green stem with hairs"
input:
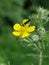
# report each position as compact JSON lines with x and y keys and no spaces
{"x":40,"y":58}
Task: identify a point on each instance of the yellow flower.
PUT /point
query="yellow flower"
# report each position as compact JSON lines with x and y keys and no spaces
{"x":22,"y":31}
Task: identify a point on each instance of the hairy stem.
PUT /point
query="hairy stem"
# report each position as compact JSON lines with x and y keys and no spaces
{"x":40,"y":58}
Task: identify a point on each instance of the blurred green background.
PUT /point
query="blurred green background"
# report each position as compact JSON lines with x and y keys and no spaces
{"x":11,"y":12}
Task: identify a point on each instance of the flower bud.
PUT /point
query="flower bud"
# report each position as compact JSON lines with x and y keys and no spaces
{"x":41,"y":31}
{"x":35,"y":37}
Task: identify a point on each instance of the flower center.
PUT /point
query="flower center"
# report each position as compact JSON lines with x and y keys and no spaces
{"x":23,"y":29}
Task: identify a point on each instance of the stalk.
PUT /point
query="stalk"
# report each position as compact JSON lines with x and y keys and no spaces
{"x":40,"y":58}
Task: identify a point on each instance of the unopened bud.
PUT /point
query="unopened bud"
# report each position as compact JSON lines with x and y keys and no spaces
{"x":35,"y":37}
{"x":41,"y":31}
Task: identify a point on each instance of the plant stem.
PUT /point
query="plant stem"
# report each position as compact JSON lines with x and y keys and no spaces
{"x":40,"y":58}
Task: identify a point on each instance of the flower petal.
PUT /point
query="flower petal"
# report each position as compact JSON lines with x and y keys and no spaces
{"x":17,"y":27}
{"x":25,"y":34}
{"x":25,"y":20}
{"x":31,"y":29}
{"x":27,"y":25}
{"x":16,"y":33}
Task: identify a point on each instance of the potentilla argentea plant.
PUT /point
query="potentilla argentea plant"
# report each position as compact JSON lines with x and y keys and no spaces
{"x":33,"y":35}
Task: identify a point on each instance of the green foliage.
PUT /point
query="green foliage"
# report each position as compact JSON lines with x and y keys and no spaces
{"x":11,"y":12}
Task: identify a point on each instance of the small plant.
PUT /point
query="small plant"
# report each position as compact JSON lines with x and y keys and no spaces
{"x":34,"y":35}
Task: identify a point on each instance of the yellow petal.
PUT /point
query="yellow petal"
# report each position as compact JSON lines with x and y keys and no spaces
{"x":31,"y":29}
{"x":25,"y":34}
{"x":27,"y":25}
{"x":25,"y":20}
{"x":17,"y":27}
{"x":16,"y":33}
